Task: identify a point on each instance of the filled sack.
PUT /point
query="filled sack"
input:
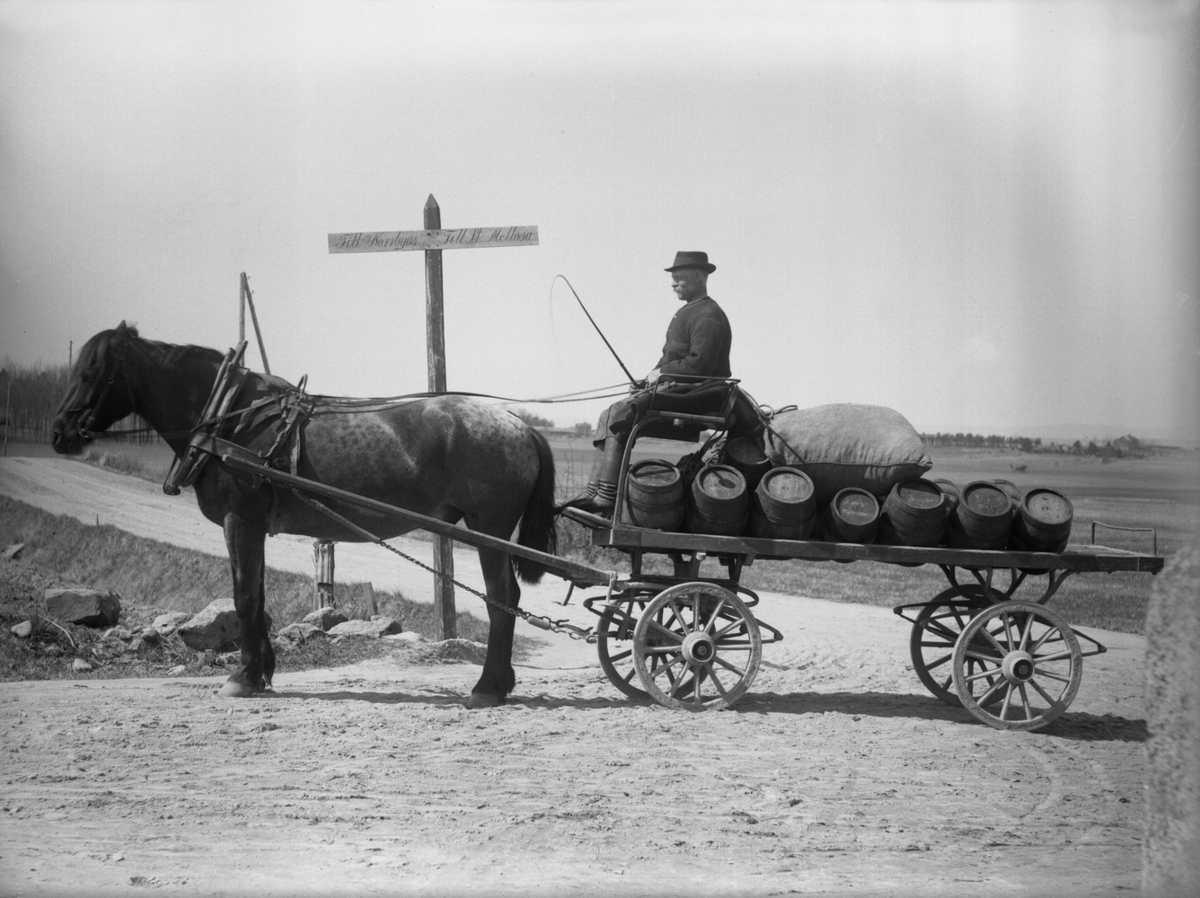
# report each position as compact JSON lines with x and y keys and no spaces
{"x":847,"y":445}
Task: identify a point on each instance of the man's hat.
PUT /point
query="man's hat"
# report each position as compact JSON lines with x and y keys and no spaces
{"x":692,"y":260}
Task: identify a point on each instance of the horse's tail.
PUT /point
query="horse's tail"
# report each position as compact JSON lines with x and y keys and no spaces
{"x":537,"y":523}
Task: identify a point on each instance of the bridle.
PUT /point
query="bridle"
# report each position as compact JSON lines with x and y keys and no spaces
{"x":85,"y":431}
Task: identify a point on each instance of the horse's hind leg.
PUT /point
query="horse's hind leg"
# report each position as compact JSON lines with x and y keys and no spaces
{"x":245,"y":541}
{"x":498,"y":678}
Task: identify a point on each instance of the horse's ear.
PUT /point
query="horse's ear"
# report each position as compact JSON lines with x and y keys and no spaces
{"x":126,"y":330}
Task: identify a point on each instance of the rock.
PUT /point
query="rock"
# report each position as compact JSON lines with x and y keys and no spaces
{"x":122,"y":633}
{"x":150,"y":636}
{"x":22,"y":630}
{"x":86,"y":607}
{"x":177,"y":671}
{"x":301,"y":633}
{"x":166,"y":624}
{"x":385,"y":626}
{"x":13,"y":551}
{"x":407,"y":636}
{"x":80,"y":666}
{"x":215,"y":629}
{"x":325,"y":618}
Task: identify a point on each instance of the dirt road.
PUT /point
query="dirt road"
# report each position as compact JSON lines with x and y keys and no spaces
{"x":838,"y":773}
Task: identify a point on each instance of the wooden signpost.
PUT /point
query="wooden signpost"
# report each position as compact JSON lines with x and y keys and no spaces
{"x":432,"y":240}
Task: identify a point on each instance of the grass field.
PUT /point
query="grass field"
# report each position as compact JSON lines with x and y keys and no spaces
{"x":1160,"y":492}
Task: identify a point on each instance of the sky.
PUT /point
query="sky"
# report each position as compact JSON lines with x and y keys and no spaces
{"x":981,"y":214}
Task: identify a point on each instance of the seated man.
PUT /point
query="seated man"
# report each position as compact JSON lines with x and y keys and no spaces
{"x":697,"y":343}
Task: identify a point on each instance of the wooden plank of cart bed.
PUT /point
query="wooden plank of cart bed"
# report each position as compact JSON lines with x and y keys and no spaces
{"x":1074,"y":558}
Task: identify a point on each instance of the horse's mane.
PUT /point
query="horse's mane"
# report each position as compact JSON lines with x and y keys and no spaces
{"x":170,"y":354}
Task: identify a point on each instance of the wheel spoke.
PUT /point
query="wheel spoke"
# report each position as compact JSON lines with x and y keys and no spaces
{"x":712,"y":675}
{"x":679,"y":616}
{"x":980,"y":657}
{"x":1045,"y":637}
{"x":1051,"y":675}
{"x":1028,"y":705}
{"x":986,"y":697}
{"x":1050,"y":700}
{"x":717,"y":659}
{"x":1059,"y":656}
{"x":666,"y":668}
{"x":1007,"y":702}
{"x":716,"y":613}
{"x":992,"y":639}
{"x":989,"y":675}
{"x":661,"y":630}
{"x":939,"y":662}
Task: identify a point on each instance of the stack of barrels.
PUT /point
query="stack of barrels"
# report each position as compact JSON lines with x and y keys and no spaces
{"x":746,"y":494}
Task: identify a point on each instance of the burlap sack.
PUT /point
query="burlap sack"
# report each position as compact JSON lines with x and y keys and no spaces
{"x":844,"y":445}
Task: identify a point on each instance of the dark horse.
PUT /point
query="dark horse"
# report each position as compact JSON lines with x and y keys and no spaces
{"x":448,"y":457}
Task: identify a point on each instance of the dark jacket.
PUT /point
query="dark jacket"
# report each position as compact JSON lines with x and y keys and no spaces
{"x":698,"y":341}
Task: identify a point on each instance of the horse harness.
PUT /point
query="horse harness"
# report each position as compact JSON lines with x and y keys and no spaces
{"x":287,"y":406}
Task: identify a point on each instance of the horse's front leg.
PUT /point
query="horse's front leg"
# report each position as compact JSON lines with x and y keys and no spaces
{"x":245,"y":541}
{"x":498,"y":677}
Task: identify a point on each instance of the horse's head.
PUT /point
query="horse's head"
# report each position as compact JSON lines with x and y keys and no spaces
{"x":98,"y":393}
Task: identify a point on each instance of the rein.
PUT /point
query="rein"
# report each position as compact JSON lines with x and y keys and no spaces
{"x":329,"y":405}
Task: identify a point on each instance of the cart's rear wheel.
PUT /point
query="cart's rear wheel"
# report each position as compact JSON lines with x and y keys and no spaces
{"x":616,"y":624}
{"x":935,"y":632}
{"x":614,"y":645}
{"x":1030,"y":656}
{"x":697,"y":647}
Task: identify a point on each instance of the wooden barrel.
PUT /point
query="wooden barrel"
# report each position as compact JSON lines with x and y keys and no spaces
{"x":951,"y":491}
{"x":1043,"y":522}
{"x":720,"y":503}
{"x":1014,"y":494}
{"x":654,"y":494}
{"x":914,"y":514}
{"x":748,"y":457}
{"x":853,"y":516}
{"x":983,"y":518}
{"x":785,"y":505}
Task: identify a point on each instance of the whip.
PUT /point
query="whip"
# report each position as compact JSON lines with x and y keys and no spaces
{"x":632,"y":379}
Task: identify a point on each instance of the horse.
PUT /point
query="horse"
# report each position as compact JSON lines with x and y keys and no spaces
{"x":447,"y":456}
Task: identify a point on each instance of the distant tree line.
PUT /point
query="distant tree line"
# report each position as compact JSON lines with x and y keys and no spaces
{"x":30,"y":396}
{"x":979,"y":441}
{"x":1127,"y":446}
{"x":533,"y":420}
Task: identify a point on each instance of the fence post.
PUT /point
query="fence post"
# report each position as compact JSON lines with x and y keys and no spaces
{"x":323,"y":574}
{"x":372,"y":608}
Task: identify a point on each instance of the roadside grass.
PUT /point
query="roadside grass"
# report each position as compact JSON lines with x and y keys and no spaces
{"x":151,"y":578}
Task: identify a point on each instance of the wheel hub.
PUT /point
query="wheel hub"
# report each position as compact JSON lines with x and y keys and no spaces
{"x":698,"y":648}
{"x":1018,"y":667}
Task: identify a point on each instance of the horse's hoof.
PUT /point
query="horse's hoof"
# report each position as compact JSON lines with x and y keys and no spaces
{"x":484,"y":700}
{"x":234,"y":689}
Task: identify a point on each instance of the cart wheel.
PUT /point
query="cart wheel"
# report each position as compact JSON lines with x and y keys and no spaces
{"x":617,"y":623}
{"x":697,"y":647}
{"x":934,"y":633}
{"x":1029,"y":654}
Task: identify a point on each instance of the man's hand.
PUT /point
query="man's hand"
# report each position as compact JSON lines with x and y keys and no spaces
{"x":652,"y":377}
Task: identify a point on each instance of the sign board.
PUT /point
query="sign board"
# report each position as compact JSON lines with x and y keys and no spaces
{"x":461,"y":238}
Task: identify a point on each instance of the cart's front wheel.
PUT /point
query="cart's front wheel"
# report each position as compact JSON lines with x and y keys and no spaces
{"x":697,"y":647}
{"x":1030,"y":657}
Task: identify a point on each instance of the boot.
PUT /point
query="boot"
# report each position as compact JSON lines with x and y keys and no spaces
{"x":601,"y":492}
